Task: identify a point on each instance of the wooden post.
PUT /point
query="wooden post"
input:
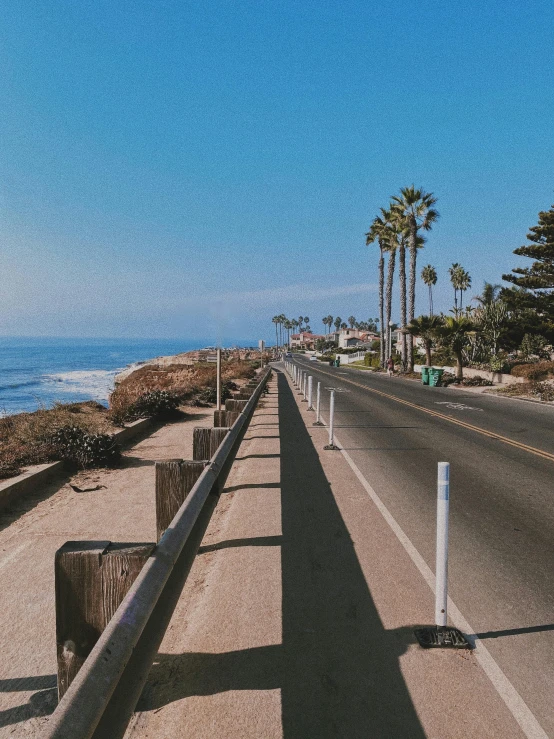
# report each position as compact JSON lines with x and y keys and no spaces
{"x":92,"y":578}
{"x":175,"y":478}
{"x":205,"y":442}
{"x":235,"y":405}
{"x":219,"y":418}
{"x":231,"y":417}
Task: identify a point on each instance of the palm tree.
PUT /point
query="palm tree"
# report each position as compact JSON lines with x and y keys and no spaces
{"x":344,"y":325}
{"x":454,"y":272}
{"x":454,"y":334}
{"x":351,"y":321}
{"x":306,"y":321}
{"x":338,"y":321}
{"x":416,"y":207}
{"x":275,"y":320}
{"x":377,"y":233}
{"x":300,"y":322}
{"x":324,"y":322}
{"x":489,"y":295}
{"x":464,"y":284}
{"x":429,"y":277}
{"x":425,"y":327}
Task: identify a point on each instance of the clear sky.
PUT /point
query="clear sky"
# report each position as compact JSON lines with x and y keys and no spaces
{"x":175,"y":168}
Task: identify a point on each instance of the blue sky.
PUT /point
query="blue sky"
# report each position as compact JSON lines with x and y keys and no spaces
{"x":190,"y":169}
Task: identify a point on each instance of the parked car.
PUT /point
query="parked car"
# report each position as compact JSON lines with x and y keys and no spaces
{"x":288,"y":354}
{"x":313,"y":358}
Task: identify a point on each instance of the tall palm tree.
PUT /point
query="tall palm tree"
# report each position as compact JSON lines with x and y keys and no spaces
{"x":351,"y":321}
{"x":416,"y":206}
{"x":324,"y":322}
{"x":454,"y":272}
{"x":306,"y":321}
{"x":275,"y":320}
{"x":464,"y":284}
{"x":429,"y":277}
{"x":425,"y":327}
{"x":377,"y":233}
{"x":338,"y":321}
{"x":300,"y":322}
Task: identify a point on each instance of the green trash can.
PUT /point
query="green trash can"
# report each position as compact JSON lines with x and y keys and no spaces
{"x":337,"y":362}
{"x":435,"y":375}
{"x":425,"y":374}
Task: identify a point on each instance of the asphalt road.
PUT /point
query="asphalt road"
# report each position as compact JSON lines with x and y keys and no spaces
{"x":501,"y":451}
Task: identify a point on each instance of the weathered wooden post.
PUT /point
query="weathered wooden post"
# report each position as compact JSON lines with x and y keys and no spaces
{"x":91,"y":580}
{"x":235,"y":405}
{"x":219,"y":418}
{"x":175,"y":478}
{"x":230,"y":417}
{"x":205,"y":442}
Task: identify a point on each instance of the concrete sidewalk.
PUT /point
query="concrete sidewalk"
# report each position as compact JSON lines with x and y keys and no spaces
{"x":298,"y":617}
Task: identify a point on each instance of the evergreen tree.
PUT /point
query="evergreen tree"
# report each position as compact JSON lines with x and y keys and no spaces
{"x":538,"y":279}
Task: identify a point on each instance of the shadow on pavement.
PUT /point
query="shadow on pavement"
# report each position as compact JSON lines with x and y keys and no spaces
{"x":337,"y":668}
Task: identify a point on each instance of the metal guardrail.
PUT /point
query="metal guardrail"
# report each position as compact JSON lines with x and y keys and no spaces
{"x":102,"y":697}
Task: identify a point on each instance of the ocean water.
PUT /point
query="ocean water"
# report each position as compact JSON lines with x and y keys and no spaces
{"x":37,"y":372}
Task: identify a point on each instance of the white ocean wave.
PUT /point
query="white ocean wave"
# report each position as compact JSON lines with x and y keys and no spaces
{"x":95,"y":384}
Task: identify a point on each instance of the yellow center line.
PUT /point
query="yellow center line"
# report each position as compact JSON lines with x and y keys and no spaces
{"x":464,"y":424}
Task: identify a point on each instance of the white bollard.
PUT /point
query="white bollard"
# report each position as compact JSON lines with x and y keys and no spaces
{"x":310,"y":388}
{"x":305,"y":387}
{"x":318,"y":406}
{"x":441,"y":586}
{"x":331,"y":444}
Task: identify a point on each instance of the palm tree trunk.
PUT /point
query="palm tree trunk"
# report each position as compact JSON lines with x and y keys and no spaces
{"x":430,"y":300}
{"x":402,"y":279}
{"x":459,"y":367}
{"x":276,"y":334}
{"x":382,"y":306}
{"x":428,"y":353}
{"x":390,"y":277}
{"x":412,"y":289}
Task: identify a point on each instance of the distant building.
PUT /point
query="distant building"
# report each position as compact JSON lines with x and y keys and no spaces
{"x":305,"y":340}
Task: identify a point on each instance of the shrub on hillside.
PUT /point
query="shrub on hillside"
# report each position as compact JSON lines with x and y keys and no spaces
{"x":75,"y":445}
{"x":153,"y":403}
{"x":534,"y":371}
{"x":476,"y":381}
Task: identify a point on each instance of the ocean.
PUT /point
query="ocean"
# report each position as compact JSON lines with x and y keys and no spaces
{"x":35,"y":373}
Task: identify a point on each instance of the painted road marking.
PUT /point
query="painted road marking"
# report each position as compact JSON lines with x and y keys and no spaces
{"x":457,"y":406}
{"x":450,"y":419}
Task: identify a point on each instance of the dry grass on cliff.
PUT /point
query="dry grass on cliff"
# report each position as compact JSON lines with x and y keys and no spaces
{"x":182,"y":380}
{"x":25,"y":438}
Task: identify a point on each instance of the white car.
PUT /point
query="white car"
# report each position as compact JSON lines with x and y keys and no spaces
{"x":313,"y":358}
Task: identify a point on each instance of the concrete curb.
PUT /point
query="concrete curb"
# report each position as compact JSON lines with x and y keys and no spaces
{"x":16,"y":487}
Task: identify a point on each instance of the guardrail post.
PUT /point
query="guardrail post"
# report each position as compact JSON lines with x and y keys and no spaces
{"x":331,"y":444}
{"x":205,"y":442}
{"x":175,"y":479}
{"x":235,"y":405}
{"x":305,"y":388}
{"x":310,"y":388}
{"x":92,"y":578}
{"x":219,"y":418}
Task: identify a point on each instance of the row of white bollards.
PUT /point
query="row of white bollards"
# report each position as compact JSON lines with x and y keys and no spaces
{"x":440,"y":635}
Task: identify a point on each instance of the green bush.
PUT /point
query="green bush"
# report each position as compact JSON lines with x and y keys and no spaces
{"x":85,"y":450}
{"x":209,"y":394}
{"x":476,"y":381}
{"x":153,"y":403}
{"x":544,"y":391}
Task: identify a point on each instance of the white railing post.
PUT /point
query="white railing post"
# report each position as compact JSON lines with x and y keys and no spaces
{"x":441,"y":587}
{"x":310,"y":387}
{"x":318,"y":406}
{"x":304,"y":386}
{"x":331,"y":444}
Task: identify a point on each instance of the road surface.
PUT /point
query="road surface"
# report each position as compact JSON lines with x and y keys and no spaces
{"x":501,"y":451}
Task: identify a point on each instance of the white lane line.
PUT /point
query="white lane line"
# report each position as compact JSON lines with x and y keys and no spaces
{"x":512,"y":699}
{"x":12,"y":555}
{"x":457,"y":406}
